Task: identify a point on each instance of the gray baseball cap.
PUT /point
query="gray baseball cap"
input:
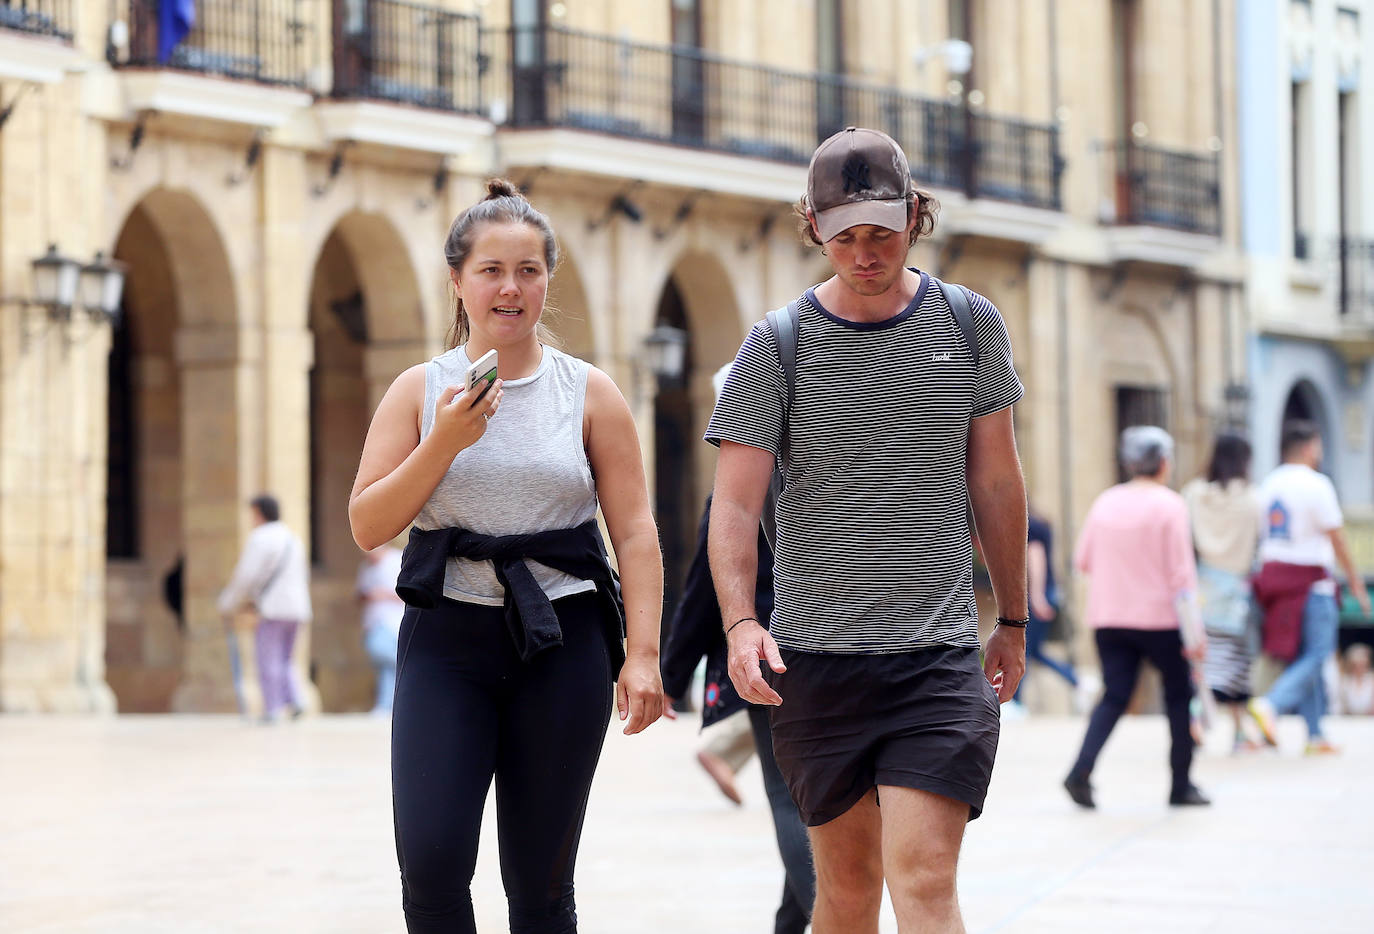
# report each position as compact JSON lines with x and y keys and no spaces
{"x":858,"y":176}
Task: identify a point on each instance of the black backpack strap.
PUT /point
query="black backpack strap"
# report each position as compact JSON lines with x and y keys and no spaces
{"x":783,"y":322}
{"x":957,"y":298}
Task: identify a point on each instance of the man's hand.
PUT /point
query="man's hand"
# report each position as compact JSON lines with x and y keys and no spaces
{"x":1004,"y":660}
{"x":749,"y":642}
{"x":639,"y":694}
{"x":1361,"y":595}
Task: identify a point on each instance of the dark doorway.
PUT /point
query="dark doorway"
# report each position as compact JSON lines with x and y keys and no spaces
{"x":830,"y":64}
{"x":675,"y":502}
{"x":1299,"y":407}
{"x":121,"y":481}
{"x":529,"y":51}
{"x":1138,"y":405}
{"x":689,"y":73}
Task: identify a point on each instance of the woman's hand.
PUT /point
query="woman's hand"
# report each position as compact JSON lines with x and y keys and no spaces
{"x":460,"y":416}
{"x":639,"y":693}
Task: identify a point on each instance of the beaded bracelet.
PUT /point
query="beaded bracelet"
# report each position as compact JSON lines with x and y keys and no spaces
{"x":1014,"y":623}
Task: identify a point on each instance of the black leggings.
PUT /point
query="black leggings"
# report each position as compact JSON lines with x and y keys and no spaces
{"x":466,"y":709}
{"x":1122,"y":651}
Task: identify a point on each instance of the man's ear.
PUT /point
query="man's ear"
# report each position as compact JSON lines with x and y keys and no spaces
{"x":811,"y":219}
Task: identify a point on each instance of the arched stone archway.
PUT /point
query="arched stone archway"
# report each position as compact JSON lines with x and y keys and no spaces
{"x":183,"y":378}
{"x":698,"y":297}
{"x":367,"y":322}
{"x":1304,"y":401}
{"x":570,"y":319}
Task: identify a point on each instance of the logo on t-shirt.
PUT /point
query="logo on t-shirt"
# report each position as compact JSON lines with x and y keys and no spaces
{"x":1279,"y":522}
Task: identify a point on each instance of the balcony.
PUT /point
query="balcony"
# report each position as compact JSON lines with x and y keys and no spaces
{"x":38,"y":17}
{"x":271,"y":50}
{"x":1356,"y":281}
{"x":1164,"y":205}
{"x":406,"y":75}
{"x":1165,"y":188}
{"x":35,"y":40}
{"x":408,"y":53}
{"x":558,"y":79}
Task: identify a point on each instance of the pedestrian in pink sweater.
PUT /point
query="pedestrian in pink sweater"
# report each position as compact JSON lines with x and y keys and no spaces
{"x":1137,"y":550}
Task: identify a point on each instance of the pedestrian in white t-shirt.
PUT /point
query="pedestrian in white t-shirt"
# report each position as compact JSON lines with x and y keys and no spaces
{"x":1301,"y":540}
{"x":382,"y":613}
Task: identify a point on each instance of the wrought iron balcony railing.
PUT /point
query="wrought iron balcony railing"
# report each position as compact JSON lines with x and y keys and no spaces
{"x":558,"y":77}
{"x":408,"y":53}
{"x":1165,"y":188}
{"x":1357,"y":280}
{"x":39,"y":17}
{"x":276,"y":42}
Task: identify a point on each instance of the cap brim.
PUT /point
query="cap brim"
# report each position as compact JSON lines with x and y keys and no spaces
{"x":833,"y":221}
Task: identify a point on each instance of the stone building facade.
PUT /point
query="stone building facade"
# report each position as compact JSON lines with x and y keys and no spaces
{"x":1308,"y":205}
{"x":279,"y":187}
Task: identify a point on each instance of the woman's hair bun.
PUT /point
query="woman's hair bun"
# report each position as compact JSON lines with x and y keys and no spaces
{"x":502,"y":188}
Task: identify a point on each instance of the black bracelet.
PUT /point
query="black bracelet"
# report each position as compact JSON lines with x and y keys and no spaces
{"x":740,"y":620}
{"x":1014,"y":623}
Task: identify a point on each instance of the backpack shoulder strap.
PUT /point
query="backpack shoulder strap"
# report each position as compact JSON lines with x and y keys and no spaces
{"x":957,"y":298}
{"x":783,"y":323}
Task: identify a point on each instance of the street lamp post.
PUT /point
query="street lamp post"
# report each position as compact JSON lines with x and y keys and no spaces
{"x":61,"y":283}
{"x":54,"y":282}
{"x":665,"y":352}
{"x":1236,"y":405}
{"x":101,"y":286}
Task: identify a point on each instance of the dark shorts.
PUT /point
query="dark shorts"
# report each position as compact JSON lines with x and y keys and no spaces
{"x":926,"y":719}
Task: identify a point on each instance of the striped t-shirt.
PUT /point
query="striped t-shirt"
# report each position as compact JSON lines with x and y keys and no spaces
{"x":873,"y":548}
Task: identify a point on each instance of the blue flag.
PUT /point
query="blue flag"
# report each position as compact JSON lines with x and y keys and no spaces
{"x":174,"y":20}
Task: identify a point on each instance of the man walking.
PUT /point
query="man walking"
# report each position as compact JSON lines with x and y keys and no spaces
{"x":899,"y":414}
{"x":272,"y":575}
{"x":1302,"y":540}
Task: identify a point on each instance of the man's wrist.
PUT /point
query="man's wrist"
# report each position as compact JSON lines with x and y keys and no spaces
{"x":731,"y":626}
{"x":1014,"y":622}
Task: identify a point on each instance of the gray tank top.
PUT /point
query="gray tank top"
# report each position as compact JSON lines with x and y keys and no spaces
{"x":528,"y":473}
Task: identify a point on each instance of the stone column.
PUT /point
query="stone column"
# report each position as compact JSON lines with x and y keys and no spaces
{"x":1037,"y":353}
{"x":220,"y":385}
{"x":288,"y":355}
{"x":384,"y":361}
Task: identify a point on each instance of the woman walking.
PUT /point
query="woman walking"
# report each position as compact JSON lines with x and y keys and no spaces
{"x":1043,"y":604}
{"x":513,"y":634}
{"x":1222,"y":508}
{"x":1136,"y":549}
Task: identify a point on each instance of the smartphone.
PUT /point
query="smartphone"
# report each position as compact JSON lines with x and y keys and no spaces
{"x":483,"y":371}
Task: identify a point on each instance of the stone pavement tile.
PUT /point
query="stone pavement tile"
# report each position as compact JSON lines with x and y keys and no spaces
{"x":207,"y":824}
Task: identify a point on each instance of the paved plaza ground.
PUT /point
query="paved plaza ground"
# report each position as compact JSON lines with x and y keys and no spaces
{"x":143,"y":825}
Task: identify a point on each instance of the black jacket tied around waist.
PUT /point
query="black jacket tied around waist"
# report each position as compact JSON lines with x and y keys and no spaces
{"x":530,"y":616}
